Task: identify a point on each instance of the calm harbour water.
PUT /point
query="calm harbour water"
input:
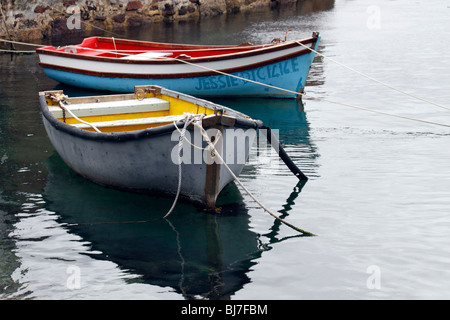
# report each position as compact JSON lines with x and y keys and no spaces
{"x":378,"y":197}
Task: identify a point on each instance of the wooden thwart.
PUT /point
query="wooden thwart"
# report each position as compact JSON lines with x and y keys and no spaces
{"x":131,"y":122}
{"x":112,"y":107}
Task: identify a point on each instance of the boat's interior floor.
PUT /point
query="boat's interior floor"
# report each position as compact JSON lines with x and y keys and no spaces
{"x":118,"y":115}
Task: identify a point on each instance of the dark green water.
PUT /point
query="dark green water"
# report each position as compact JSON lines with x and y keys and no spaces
{"x":378,"y":197}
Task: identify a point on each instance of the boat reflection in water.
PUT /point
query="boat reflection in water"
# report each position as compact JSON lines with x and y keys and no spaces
{"x":286,"y":115}
{"x":287,"y":118}
{"x":198,"y":254}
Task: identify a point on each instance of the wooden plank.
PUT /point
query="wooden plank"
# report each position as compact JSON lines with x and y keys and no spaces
{"x":147,"y":55}
{"x":112,"y":107}
{"x":131,"y":122}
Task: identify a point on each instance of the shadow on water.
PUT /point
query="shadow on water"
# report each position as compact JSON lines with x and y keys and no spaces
{"x":199,"y":255}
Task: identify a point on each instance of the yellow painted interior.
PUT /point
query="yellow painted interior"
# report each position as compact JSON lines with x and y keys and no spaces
{"x":113,"y":117}
{"x":127,"y":128}
{"x":177,"y":107}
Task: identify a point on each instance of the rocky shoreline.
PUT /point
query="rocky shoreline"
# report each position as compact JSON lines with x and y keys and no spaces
{"x":25,"y":20}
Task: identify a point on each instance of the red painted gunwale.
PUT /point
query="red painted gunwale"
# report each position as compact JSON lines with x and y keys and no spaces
{"x":196,"y":53}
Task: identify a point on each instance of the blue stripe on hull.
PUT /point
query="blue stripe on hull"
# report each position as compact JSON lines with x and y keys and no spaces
{"x":289,"y":74}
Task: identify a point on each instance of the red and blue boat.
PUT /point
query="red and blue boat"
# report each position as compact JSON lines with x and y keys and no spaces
{"x":276,"y":70}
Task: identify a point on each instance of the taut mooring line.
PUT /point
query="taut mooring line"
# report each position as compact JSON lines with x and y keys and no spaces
{"x":217,"y":154}
{"x":372,"y":78}
{"x":309,"y":96}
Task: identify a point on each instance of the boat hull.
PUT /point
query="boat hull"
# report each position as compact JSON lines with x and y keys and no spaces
{"x":290,"y":74}
{"x":145,"y":161}
{"x":280,"y":72}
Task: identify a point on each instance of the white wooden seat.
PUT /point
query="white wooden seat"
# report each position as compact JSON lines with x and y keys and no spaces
{"x":147,"y":55}
{"x":112,"y":107}
{"x":129,"y":122}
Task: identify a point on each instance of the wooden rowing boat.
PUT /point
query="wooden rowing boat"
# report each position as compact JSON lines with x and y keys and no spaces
{"x":132,"y":141}
{"x":201,"y":70}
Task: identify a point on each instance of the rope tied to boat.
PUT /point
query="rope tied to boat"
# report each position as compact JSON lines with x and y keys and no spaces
{"x":372,"y":78}
{"x":61,"y":99}
{"x":217,"y":154}
{"x":189,"y":118}
{"x":219,"y":134}
{"x":196,"y":120}
{"x":310,"y":96}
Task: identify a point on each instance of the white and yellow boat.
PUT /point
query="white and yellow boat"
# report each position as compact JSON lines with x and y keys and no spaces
{"x":133,"y":141}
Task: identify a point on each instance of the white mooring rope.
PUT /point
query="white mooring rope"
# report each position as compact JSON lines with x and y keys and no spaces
{"x":372,"y":78}
{"x":309,"y":96}
{"x":222,"y":161}
{"x":189,"y":118}
{"x":59,"y":99}
{"x":298,"y":93}
{"x":22,"y":43}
